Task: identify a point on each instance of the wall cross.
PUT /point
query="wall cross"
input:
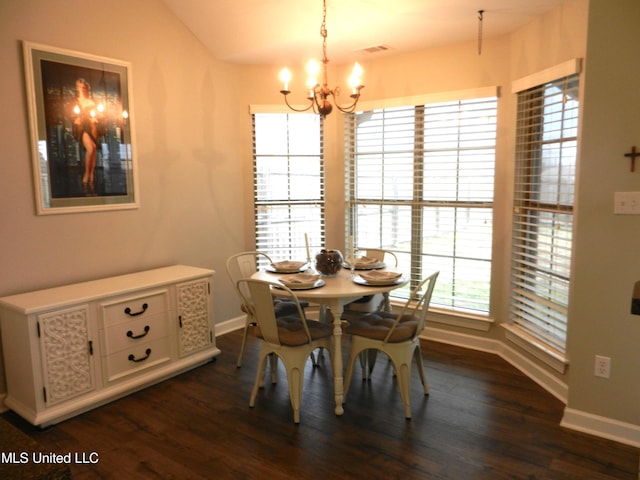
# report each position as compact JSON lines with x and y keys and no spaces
{"x":632,"y":156}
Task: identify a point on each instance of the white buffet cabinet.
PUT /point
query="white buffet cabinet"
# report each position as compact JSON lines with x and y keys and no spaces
{"x":72,"y":348}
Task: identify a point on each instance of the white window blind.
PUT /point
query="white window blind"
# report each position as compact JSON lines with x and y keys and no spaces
{"x":288,"y":184}
{"x":420,"y":183}
{"x":546,"y":154}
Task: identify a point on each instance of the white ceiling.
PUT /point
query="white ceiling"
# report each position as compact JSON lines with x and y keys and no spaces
{"x":277,"y":32}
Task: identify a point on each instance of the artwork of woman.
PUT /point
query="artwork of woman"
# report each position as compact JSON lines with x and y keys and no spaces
{"x":81,"y":133}
{"x":85,"y":129}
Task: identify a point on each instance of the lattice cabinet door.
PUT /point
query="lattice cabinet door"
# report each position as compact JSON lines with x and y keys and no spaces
{"x":66,"y":352}
{"x":194,"y":313}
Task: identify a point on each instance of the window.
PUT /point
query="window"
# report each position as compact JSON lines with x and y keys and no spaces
{"x":288,"y":183}
{"x":546,"y":152}
{"x":420,"y":183}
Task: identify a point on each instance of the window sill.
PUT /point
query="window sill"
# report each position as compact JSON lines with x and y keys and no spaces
{"x":540,"y":350}
{"x":458,"y":319}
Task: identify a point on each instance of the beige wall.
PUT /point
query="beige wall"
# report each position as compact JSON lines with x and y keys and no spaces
{"x":188,"y":148}
{"x":194,"y":152}
{"x":607,"y":257}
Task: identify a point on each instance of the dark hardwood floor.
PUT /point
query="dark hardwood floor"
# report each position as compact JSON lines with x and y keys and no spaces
{"x":482,"y":420}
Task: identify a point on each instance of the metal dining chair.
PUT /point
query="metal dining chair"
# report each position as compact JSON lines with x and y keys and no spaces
{"x":395,"y":335}
{"x":290,"y":337}
{"x":372,"y":303}
{"x":243,"y":265}
{"x":380,"y":254}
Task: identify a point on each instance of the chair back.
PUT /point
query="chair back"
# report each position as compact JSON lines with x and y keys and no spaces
{"x":243,"y":265}
{"x":380,"y":255}
{"x":420,"y":298}
{"x":261,"y":297}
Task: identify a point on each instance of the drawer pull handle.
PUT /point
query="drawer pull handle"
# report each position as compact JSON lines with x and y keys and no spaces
{"x":133,"y":358}
{"x":134,"y":314}
{"x":146,"y":330}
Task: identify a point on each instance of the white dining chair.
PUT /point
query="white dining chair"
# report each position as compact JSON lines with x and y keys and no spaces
{"x":380,"y":254}
{"x":395,"y":335}
{"x":243,"y":265}
{"x":291,"y":337}
{"x":371,"y":303}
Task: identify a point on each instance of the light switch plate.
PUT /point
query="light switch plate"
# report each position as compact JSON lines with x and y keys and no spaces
{"x":626,"y":203}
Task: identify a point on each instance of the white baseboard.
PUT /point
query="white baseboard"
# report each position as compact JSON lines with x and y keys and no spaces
{"x":551,"y":384}
{"x":604,"y":427}
{"x":460,"y":340}
{"x":230,"y":325}
{"x":535,"y":372}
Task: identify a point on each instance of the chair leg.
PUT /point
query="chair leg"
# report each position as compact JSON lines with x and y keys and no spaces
{"x":243,"y":344}
{"x":367,"y":362}
{"x":364,"y":361}
{"x":385,"y":305}
{"x":259,"y":378}
{"x":404,"y":385}
{"x":295,"y":390}
{"x":273,"y":365}
{"x":372,"y":354}
{"x":325,"y":317}
{"x":347,"y":381}
{"x":418,"y":355}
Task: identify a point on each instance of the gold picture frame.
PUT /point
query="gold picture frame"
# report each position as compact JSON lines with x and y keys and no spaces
{"x":81,"y":131}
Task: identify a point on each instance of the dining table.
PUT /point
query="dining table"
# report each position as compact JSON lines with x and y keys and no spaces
{"x":333,"y":292}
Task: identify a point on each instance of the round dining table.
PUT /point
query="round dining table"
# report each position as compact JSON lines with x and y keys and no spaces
{"x":336,"y":292}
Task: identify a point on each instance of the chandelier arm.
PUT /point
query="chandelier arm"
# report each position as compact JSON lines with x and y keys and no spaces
{"x":294,"y":108}
{"x":347,"y":109}
{"x":350,"y":109}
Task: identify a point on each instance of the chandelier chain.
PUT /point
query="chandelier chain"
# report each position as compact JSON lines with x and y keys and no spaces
{"x":480,"y":21}
{"x":323,"y":32}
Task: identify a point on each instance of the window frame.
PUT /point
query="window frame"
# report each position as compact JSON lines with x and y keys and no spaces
{"x":294,"y":245}
{"x":416,"y":268}
{"x":539,"y":294}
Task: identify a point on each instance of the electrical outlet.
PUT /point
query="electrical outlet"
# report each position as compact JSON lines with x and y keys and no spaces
{"x":603,"y":366}
{"x":626,"y":203}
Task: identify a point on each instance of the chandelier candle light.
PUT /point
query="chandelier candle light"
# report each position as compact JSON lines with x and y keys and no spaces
{"x":318,"y":94}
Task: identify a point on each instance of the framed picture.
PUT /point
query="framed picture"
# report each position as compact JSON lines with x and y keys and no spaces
{"x":81,"y":125}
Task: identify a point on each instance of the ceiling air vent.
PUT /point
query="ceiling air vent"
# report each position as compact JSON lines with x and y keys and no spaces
{"x":376,"y":49}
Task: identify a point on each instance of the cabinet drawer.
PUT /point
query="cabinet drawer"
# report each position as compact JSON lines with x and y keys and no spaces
{"x":138,"y":358}
{"x":134,"y":307}
{"x":134,"y":332}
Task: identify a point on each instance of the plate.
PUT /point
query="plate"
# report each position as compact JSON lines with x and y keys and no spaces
{"x":381,"y":283}
{"x":377,"y":277}
{"x":287,"y":266}
{"x":306,"y":286}
{"x":301,"y":281}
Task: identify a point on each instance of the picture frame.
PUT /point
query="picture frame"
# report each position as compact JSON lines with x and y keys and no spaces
{"x":81,"y":131}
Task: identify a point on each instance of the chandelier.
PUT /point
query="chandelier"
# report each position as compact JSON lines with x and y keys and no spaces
{"x":319,"y":94}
